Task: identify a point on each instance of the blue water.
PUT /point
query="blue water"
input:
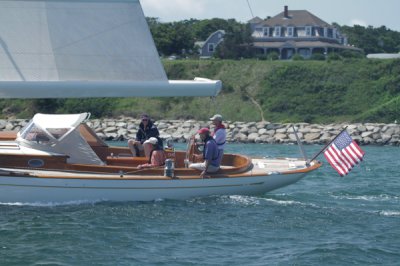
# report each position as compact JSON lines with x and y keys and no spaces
{"x":321,"y":220}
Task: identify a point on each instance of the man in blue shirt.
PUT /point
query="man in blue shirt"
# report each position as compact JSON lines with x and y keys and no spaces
{"x":211,"y":162}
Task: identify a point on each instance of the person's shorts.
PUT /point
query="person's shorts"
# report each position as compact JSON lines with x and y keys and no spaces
{"x":202,"y":167}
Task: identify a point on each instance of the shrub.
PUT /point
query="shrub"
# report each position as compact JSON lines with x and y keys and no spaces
{"x":297,"y":57}
{"x":262,"y":57}
{"x":351,"y":54}
{"x":334,"y":56}
{"x":273,"y":56}
{"x":316,"y":56}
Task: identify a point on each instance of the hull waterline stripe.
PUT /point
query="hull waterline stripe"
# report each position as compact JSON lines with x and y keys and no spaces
{"x":132,"y":188}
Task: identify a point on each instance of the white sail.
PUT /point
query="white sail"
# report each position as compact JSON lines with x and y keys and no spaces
{"x":82,"y":48}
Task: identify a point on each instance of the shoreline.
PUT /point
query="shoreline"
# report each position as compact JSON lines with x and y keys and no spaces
{"x":241,"y":132}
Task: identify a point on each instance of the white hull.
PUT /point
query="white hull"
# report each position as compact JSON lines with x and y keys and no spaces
{"x":32,"y":189}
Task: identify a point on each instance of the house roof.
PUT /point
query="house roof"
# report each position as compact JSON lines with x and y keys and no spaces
{"x":202,"y":43}
{"x":255,"y":20}
{"x":199,"y":43}
{"x":295,"y":18}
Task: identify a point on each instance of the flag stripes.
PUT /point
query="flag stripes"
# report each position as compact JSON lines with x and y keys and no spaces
{"x":343,"y":154}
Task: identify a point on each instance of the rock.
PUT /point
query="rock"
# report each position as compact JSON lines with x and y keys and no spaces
{"x":261,"y":125}
{"x":262,"y":131}
{"x":162,"y":126}
{"x":281,"y":130}
{"x":122,"y":131}
{"x":270,"y":132}
{"x":9,"y":127}
{"x":385,"y":138}
{"x":366,"y":134}
{"x":252,"y":137}
{"x":280,"y":136}
{"x":326,"y":137}
{"x":244,"y":130}
{"x":111,"y":136}
{"x":253,"y":130}
{"x":274,"y":126}
{"x":311,"y":136}
{"x":240,"y":137}
{"x":392,"y":131}
{"x":17,"y":128}
{"x":109,"y":130}
{"x":3,"y":124}
{"x":121,"y":124}
{"x":293,"y":136}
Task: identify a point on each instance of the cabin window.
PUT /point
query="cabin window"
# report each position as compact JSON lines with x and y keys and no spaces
{"x":277,"y":31}
{"x":57,"y":133}
{"x":308,"y":30}
{"x":211,"y":47}
{"x":290,"y":31}
{"x":35,"y":134}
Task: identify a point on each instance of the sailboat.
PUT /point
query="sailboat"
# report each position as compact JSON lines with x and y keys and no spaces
{"x":102,"y":48}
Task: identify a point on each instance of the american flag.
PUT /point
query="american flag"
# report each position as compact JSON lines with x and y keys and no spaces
{"x":343,"y":153}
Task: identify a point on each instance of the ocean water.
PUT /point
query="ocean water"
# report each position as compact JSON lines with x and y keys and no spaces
{"x":324,"y":219}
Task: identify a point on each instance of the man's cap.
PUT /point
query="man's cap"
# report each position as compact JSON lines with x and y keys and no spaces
{"x":216,"y":117}
{"x":204,"y":130}
{"x":151,"y":140}
{"x":144,"y":116}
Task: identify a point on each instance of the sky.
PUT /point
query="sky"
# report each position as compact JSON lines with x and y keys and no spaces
{"x":374,"y":13}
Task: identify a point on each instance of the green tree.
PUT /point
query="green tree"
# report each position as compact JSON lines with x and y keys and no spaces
{"x":373,"y":40}
{"x":203,"y":28}
{"x":237,"y":42}
{"x":173,"y":37}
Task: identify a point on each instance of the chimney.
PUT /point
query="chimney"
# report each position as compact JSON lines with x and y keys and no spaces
{"x":286,"y":13}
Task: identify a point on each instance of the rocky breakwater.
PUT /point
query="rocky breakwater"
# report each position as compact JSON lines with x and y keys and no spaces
{"x":244,"y":132}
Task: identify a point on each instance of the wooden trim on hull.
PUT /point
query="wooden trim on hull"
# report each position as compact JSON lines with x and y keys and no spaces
{"x":147,"y":174}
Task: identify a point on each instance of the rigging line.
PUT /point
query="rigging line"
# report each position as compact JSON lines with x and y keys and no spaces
{"x":251,"y":11}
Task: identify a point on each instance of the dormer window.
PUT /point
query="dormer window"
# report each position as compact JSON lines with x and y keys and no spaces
{"x":290,"y":32}
{"x":334,"y":33}
{"x":266,"y":32}
{"x":308,"y":31}
{"x":277,"y":31}
{"x":326,"y":32}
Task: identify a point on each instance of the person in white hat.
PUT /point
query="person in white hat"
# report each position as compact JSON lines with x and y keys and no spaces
{"x":219,"y":134}
{"x":146,"y":130}
{"x":157,"y":155}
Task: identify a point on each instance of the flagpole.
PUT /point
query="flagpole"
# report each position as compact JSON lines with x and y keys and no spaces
{"x":327,"y":145}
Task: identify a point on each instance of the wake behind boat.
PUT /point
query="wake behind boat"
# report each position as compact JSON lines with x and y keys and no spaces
{"x":58,"y":158}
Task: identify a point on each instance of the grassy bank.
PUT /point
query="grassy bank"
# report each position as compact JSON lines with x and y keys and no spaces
{"x":278,"y":91}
